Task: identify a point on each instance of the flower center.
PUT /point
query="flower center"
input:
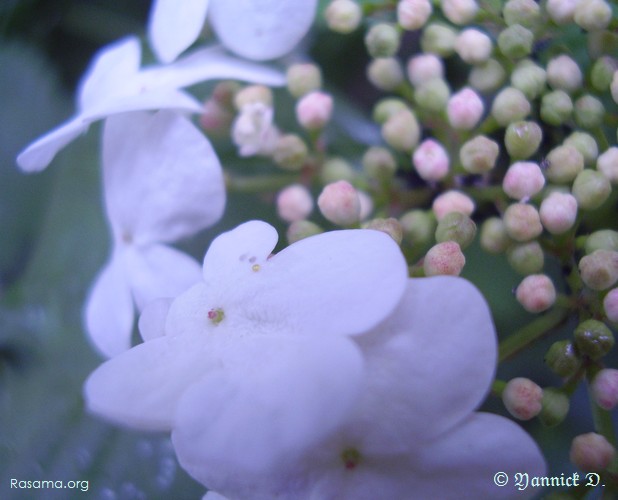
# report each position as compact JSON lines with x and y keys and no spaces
{"x":216,"y":315}
{"x":255,"y":268}
{"x":350,"y":457}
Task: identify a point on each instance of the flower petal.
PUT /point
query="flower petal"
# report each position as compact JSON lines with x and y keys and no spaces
{"x":151,"y":322}
{"x":163,"y":181}
{"x":261,"y":29}
{"x":109,"y":309}
{"x":287,"y":393}
{"x":174,"y":26}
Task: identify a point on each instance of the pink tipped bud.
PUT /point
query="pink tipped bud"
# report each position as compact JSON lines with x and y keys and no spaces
{"x":610,"y":305}
{"x":459,"y":11}
{"x":413,"y":14}
{"x":314,"y":110}
{"x":431,"y":160}
{"x":536,"y":293}
{"x":522,"y":222}
{"x":424,"y":67}
{"x":473,"y":46}
{"x":294,"y":203}
{"x":605,"y":388}
{"x":452,"y":201}
{"x":339,"y":203}
{"x":558,"y":212}
{"x":522,"y":398}
{"x":465,"y":109}
{"x":523,"y":179}
{"x":591,"y":452}
{"x":444,"y":259}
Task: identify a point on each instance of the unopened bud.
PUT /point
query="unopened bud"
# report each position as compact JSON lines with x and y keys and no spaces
{"x":604,"y":239}
{"x":585,"y":144}
{"x":563,"y":73}
{"x":290,"y":152}
{"x":431,"y":160}
{"x":593,"y":339}
{"x":301,"y":229}
{"x":510,"y":105}
{"x":413,"y":14}
{"x":523,"y":180}
{"x":366,"y":204}
{"x":610,"y":305}
{"x":225,"y":92}
{"x":522,"y":222}
{"x":343,"y":16}
{"x":536,"y":293}
{"x":479,"y":155}
{"x":487,"y":76}
{"x":602,"y":73}
{"x":294,"y":203}
{"x":522,"y":139}
{"x":589,"y":111}
{"x":592,"y":15}
{"x":418,"y":226}
{"x":253,"y":94}
{"x":390,"y":226}
{"x":561,"y":11}
{"x":385,"y":73}
{"x":522,"y":398}
{"x":516,"y":41}
{"x":465,"y":109}
{"x":424,"y":67}
{"x":530,"y":78}
{"x":473,"y":46}
{"x":558,"y":212}
{"x":591,"y":452}
{"x":526,"y":258}
{"x":524,"y":12}
{"x":432,"y":95}
{"x":459,"y":11}
{"x":303,"y":78}
{"x":591,"y":189}
{"x":336,"y":169}
{"x":452,"y":201}
{"x":556,"y":107}
{"x":339,"y":203}
{"x":562,"y":358}
{"x":438,"y":39}
{"x":386,"y":108}
{"x":456,"y":227}
{"x":563,"y":164}
{"x":599,"y":270}
{"x":604,"y":388}
{"x":215,"y":118}
{"x":314,"y":110}
{"x":444,"y":258}
{"x":607,"y":164}
{"x":555,"y":407}
{"x":379,"y":163}
{"x":494,"y":238}
{"x":402,"y":131}
{"x":382,"y":40}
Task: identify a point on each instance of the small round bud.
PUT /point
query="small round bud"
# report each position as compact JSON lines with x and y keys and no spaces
{"x":591,"y":189}
{"x":473,"y":46}
{"x":432,"y":95}
{"x":585,"y":144}
{"x":314,"y":110}
{"x":487,"y":76}
{"x":303,"y":78}
{"x":413,"y":14}
{"x":294,"y":203}
{"x":459,"y":11}
{"x":591,"y":452}
{"x":379,"y":163}
{"x":431,"y":160}
{"x":604,"y":388}
{"x":390,"y":226}
{"x":526,"y":258}
{"x":253,"y":94}
{"x":524,"y":12}
{"x":607,"y":164}
{"x":339,"y":203}
{"x":382,"y":40}
{"x":225,"y":92}
{"x":516,"y":41}
{"x":494,"y":238}
{"x":438,"y":39}
{"x":555,"y":407}
{"x":558,"y":212}
{"x":602,"y":73}
{"x":564,"y":163}
{"x":562,"y":358}
{"x":522,"y":398}
{"x":563,"y":73}
{"x":479,"y":155}
{"x":605,"y":239}
{"x":522,"y":222}
{"x":418,"y":226}
{"x":610,"y":305}
{"x":290,"y":152}
{"x":589,"y":112}
{"x":522,"y":139}
{"x":613,"y":87}
{"x":530,"y":78}
{"x":536,"y":293}
{"x":336,"y":169}
{"x":523,"y":180}
{"x":343,"y":16}
{"x":556,"y":107}
{"x":424,"y":67}
{"x":301,"y":229}
{"x":510,"y":105}
{"x":452,"y":201}
{"x":592,"y":15}
{"x":366,"y":205}
{"x":456,"y":227}
{"x":465,"y":109}
{"x":402,"y":131}
{"x":385,"y":108}
{"x":599,"y":270}
{"x":444,"y":258}
{"x":593,"y":339}
{"x":216,"y":118}
{"x":385,"y":73}
{"x":561,"y":11}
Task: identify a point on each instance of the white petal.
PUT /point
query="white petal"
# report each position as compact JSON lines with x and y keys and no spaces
{"x":41,"y":152}
{"x":175,"y":25}
{"x":261,"y":29}
{"x":290,"y":394}
{"x":151,"y":322}
{"x":157,"y":271}
{"x":162,"y":179}
{"x":155,"y":99}
{"x":109,"y":309}
{"x":340,"y":282}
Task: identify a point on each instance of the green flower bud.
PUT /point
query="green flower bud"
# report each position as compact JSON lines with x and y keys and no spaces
{"x":522,"y":139}
{"x":599,"y":270}
{"x":589,"y":111}
{"x":592,"y":15}
{"x":607,"y":164}
{"x":337,"y":169}
{"x":524,"y":12}
{"x":510,"y":105}
{"x":556,"y":107}
{"x":457,"y":227}
{"x":563,"y":164}
{"x":418,"y":226}
{"x":390,"y":226}
{"x":593,"y":339}
{"x":402,"y":131}
{"x":522,"y":222}
{"x":303,"y":78}
{"x":290,"y":152}
{"x":432,"y":95}
{"x":343,"y":16}
{"x":385,"y":73}
{"x":385,"y":108}
{"x":301,"y":229}
{"x":379,"y":163}
{"x":494,"y":237}
{"x":438,"y":39}
{"x":591,"y":189}
{"x":487,"y":76}
{"x":479,"y":155}
{"x":382,"y":40}
{"x":516,"y":41}
{"x":591,"y":452}
{"x":526,"y":258}
{"x":585,"y":144}
{"x":605,"y":239}
{"x":562,"y":358}
{"x":530,"y":78}
{"x":602,"y":73}
{"x":555,"y":407}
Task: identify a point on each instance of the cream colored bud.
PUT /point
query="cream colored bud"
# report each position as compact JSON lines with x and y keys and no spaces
{"x":607,"y":164}
{"x":524,"y":12}
{"x":253,"y":94}
{"x":592,"y":15}
{"x":494,"y":238}
{"x":536,"y":293}
{"x":459,"y":11}
{"x":479,"y":155}
{"x":523,"y":179}
{"x":294,"y":203}
{"x":522,"y":222}
{"x":438,"y":39}
{"x":563,"y":164}
{"x":432,"y":95}
{"x":385,"y":73}
{"x":431,"y":160}
{"x":516,"y":41}
{"x":452,"y":201}
{"x":402,"y":131}
{"x":337,"y":169}
{"x":591,"y":452}
{"x":487,"y":76}
{"x":339,"y":203}
{"x":290,"y":152}
{"x":510,"y":105}
{"x":444,"y":259}
{"x":413,"y":14}
{"x":390,"y":226}
{"x":561,"y":11}
{"x":343,"y":16}
{"x":599,"y":270}
{"x":418,"y":226}
{"x":558,"y":212}
{"x":530,"y":78}
{"x":563,"y":73}
{"x":314,"y":110}
{"x":473,"y":46}
{"x":424,"y":67}
{"x":301,"y":229}
{"x":303,"y":78}
{"x":465,"y":109}
{"x":591,"y":189}
{"x":585,"y":144}
{"x":522,"y":398}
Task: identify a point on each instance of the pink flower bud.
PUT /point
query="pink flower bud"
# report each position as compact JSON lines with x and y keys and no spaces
{"x":591,"y":452}
{"x":558,"y":212}
{"x":523,"y":179}
{"x":465,"y":109}
{"x":444,"y":259}
{"x":413,"y":14}
{"x":339,"y":203}
{"x":452,"y":201}
{"x":314,"y":110}
{"x":473,"y":46}
{"x":605,"y":388}
{"x":522,"y":398}
{"x":610,"y":305}
{"x":424,"y":67}
{"x":607,"y":164}
{"x":215,"y":118}
{"x":536,"y":293}
{"x":459,"y":11}
{"x":294,"y":203}
{"x":431,"y":160}
{"x":522,"y":222}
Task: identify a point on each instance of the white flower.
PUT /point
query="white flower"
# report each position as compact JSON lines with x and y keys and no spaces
{"x":270,"y":329}
{"x":114,"y":83}
{"x":412,"y":433}
{"x":253,"y":130}
{"x":162,"y":182}
{"x":255,"y":29}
